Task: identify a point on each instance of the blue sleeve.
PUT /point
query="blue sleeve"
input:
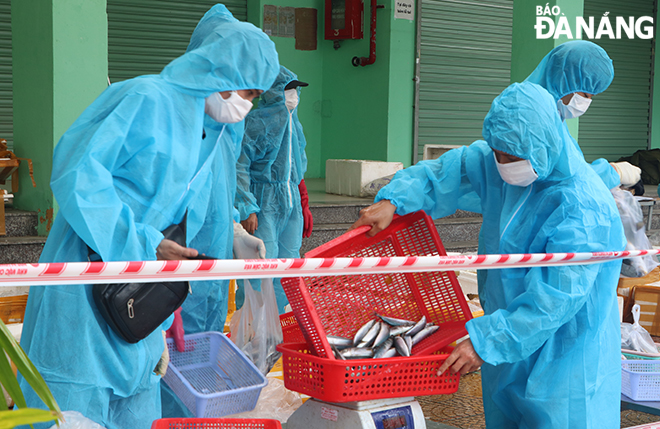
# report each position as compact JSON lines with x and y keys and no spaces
{"x":552,"y":296}
{"x":606,"y":172}
{"x":84,"y":187}
{"x":456,"y":180}
{"x":245,"y":201}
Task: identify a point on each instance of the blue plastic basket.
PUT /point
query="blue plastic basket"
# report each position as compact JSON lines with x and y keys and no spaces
{"x":640,"y":379}
{"x":213,"y":378}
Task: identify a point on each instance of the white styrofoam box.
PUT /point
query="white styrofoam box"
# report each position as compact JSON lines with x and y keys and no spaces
{"x":468,"y":282}
{"x":434,"y":151}
{"x":350,"y":176}
{"x":14,"y":290}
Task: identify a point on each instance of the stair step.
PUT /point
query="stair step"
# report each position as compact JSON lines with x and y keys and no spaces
{"x":328,"y":213}
{"x":455,"y":233}
{"x":458,"y":229}
{"x":470,"y":246}
{"x":21,"y":250}
{"x":20,"y":223}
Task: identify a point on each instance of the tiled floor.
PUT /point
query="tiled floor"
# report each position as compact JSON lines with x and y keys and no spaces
{"x":464,"y":409}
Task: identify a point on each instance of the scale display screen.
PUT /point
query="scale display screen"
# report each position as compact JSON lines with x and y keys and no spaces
{"x":396,"y":418}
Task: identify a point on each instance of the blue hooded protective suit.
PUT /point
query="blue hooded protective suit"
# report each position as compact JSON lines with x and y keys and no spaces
{"x":550,"y":336}
{"x":130,"y":166}
{"x":271,"y":166}
{"x":578,"y":66}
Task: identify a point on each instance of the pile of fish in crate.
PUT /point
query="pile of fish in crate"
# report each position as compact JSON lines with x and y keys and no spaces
{"x":374,"y":336}
{"x":383,"y":337}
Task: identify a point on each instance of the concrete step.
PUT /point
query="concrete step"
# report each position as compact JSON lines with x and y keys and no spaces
{"x":21,"y":250}
{"x":20,"y":223}
{"x":458,"y":229}
{"x":349,"y":213}
{"x":339,"y":213}
{"x":455,"y":233}
{"x":462,"y":246}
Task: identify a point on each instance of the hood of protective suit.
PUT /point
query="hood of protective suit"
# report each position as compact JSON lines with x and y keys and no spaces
{"x":575,"y":66}
{"x":224,"y":54}
{"x":523,"y":121}
{"x":275,"y":95}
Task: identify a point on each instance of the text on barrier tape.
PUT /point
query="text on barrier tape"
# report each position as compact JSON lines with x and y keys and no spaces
{"x":221,"y":269}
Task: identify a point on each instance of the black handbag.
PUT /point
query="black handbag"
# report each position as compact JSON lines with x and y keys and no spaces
{"x":135,"y":310}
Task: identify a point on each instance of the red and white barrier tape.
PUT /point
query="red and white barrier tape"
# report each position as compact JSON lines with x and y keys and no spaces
{"x":153,"y":271}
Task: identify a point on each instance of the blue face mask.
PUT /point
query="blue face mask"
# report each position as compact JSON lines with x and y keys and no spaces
{"x":519,"y":173}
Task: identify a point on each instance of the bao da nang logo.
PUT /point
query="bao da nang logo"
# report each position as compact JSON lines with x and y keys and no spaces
{"x":590,"y":28}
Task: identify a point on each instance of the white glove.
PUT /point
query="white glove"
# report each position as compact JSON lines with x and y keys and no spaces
{"x":247,"y":246}
{"x":629,"y":173}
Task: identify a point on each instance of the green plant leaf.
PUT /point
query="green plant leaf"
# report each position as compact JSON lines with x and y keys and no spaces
{"x":8,"y":380}
{"x":25,"y":416}
{"x":26,"y":368}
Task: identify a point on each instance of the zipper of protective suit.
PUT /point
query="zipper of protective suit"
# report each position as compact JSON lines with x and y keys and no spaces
{"x":211,"y":155}
{"x":288,"y":178}
{"x":517,"y":210}
{"x":203,"y":165}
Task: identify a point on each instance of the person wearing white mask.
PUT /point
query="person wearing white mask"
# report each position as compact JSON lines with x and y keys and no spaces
{"x":573,"y":73}
{"x":550,"y":336}
{"x":271,"y":196}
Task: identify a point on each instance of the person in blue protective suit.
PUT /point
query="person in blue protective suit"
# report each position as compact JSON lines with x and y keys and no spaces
{"x":271,"y":196}
{"x":549,"y":342}
{"x":131,"y":165}
{"x":573,"y":73}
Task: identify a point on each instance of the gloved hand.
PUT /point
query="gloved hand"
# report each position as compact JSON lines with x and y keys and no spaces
{"x":246,"y":246}
{"x":630,"y":174}
{"x":306,"y":212}
{"x":176,"y":331}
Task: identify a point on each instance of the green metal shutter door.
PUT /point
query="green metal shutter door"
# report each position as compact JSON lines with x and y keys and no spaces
{"x":145,"y":35}
{"x":6,"y":98}
{"x":617,"y":122}
{"x":465,"y":62}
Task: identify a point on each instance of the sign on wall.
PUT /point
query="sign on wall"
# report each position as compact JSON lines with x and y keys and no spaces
{"x":404,"y":9}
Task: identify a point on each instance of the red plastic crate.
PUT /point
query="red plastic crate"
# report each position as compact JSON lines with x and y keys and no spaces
{"x":333,"y":380}
{"x":291,"y":332}
{"x":194,"y":423}
{"x":340,"y":305}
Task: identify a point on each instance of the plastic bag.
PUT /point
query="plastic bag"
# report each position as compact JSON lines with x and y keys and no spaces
{"x":255,"y":327}
{"x":633,"y":226}
{"x":75,"y":420}
{"x":635,"y":337}
{"x":275,"y":402}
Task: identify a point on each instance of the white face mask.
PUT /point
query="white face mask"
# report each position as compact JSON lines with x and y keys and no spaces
{"x":519,"y":173}
{"x":291,"y":98}
{"x":229,"y":111}
{"x":576,"y":107}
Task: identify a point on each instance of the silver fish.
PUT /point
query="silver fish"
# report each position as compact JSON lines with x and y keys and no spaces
{"x":418,"y":326}
{"x":357,"y":353}
{"x":401,"y":346}
{"x":408,"y":340}
{"x":362,"y":332}
{"x":383,"y":334}
{"x":400,"y":330}
{"x":337,"y":353}
{"x":387,"y":345}
{"x":339,"y":342}
{"x":424,"y":333}
{"x":370,"y":336}
{"x":393,"y":321}
{"x":390,"y":353}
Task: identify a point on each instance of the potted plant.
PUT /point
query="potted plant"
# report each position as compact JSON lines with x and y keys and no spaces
{"x":23,"y":416}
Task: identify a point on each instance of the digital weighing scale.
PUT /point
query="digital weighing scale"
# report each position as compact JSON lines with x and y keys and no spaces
{"x":393,"y":413}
